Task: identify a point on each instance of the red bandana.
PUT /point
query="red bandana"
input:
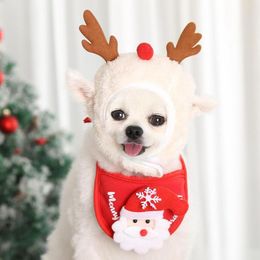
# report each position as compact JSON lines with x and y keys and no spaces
{"x":112,"y":191}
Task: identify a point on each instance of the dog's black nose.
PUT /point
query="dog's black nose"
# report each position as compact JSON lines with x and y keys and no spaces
{"x":134,"y":132}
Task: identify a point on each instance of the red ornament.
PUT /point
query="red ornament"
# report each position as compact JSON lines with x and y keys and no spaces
{"x":2,"y":78}
{"x":87,"y":120}
{"x":17,"y":151}
{"x":41,"y":141}
{"x":8,"y":124}
{"x":1,"y":35}
{"x":145,"y":51}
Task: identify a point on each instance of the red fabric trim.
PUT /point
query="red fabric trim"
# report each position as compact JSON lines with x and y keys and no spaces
{"x":123,"y":187}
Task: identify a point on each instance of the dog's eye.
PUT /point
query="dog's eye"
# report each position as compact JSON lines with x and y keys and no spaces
{"x":118,"y":115}
{"x":135,"y":220}
{"x":156,"y":120}
{"x":147,"y":221}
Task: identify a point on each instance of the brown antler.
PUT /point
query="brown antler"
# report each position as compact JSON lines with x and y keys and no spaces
{"x":97,"y":42}
{"x":186,"y":44}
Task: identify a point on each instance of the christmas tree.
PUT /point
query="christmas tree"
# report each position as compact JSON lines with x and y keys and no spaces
{"x":32,"y":166}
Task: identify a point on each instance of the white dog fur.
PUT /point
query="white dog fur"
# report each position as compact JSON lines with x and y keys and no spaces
{"x":140,"y":87}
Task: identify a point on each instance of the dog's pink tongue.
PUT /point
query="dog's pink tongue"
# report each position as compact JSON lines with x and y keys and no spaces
{"x":133,"y":149}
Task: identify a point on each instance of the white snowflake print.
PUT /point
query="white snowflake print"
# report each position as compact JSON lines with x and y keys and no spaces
{"x":149,"y":196}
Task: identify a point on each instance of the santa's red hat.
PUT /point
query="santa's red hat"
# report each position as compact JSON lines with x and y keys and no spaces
{"x":151,"y":202}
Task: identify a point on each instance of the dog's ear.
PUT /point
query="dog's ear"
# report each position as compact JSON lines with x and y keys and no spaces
{"x":84,"y":90}
{"x":202,"y":105}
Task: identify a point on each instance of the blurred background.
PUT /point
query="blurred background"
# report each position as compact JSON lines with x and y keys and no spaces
{"x":42,"y":37}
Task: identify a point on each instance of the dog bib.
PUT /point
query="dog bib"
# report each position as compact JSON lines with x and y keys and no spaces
{"x":143,"y":200}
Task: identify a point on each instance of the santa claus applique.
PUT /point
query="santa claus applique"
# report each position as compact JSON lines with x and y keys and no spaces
{"x":146,"y":218}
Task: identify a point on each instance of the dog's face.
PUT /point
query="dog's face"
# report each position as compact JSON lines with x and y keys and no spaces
{"x":141,"y":110}
{"x":137,"y":122}
{"x":134,"y":125}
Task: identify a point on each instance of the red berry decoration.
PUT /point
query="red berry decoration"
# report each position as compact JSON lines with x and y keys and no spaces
{"x":17,"y":150}
{"x":1,"y":35}
{"x":8,"y":124}
{"x":2,"y":78}
{"x":41,"y":141}
{"x":145,"y":51}
{"x":87,"y":120}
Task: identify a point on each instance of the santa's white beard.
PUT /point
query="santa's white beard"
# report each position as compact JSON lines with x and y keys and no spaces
{"x":129,"y":238}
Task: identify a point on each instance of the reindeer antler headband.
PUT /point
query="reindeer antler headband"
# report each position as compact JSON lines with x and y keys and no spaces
{"x":96,"y":42}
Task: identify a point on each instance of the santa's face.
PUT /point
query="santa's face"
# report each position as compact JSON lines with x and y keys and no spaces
{"x":140,"y":235}
{"x":141,"y":228}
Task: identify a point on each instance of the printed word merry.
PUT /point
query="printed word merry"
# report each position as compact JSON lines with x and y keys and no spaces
{"x":111,"y":200}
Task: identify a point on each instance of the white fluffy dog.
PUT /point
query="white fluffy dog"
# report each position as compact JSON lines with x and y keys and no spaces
{"x":157,"y":100}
